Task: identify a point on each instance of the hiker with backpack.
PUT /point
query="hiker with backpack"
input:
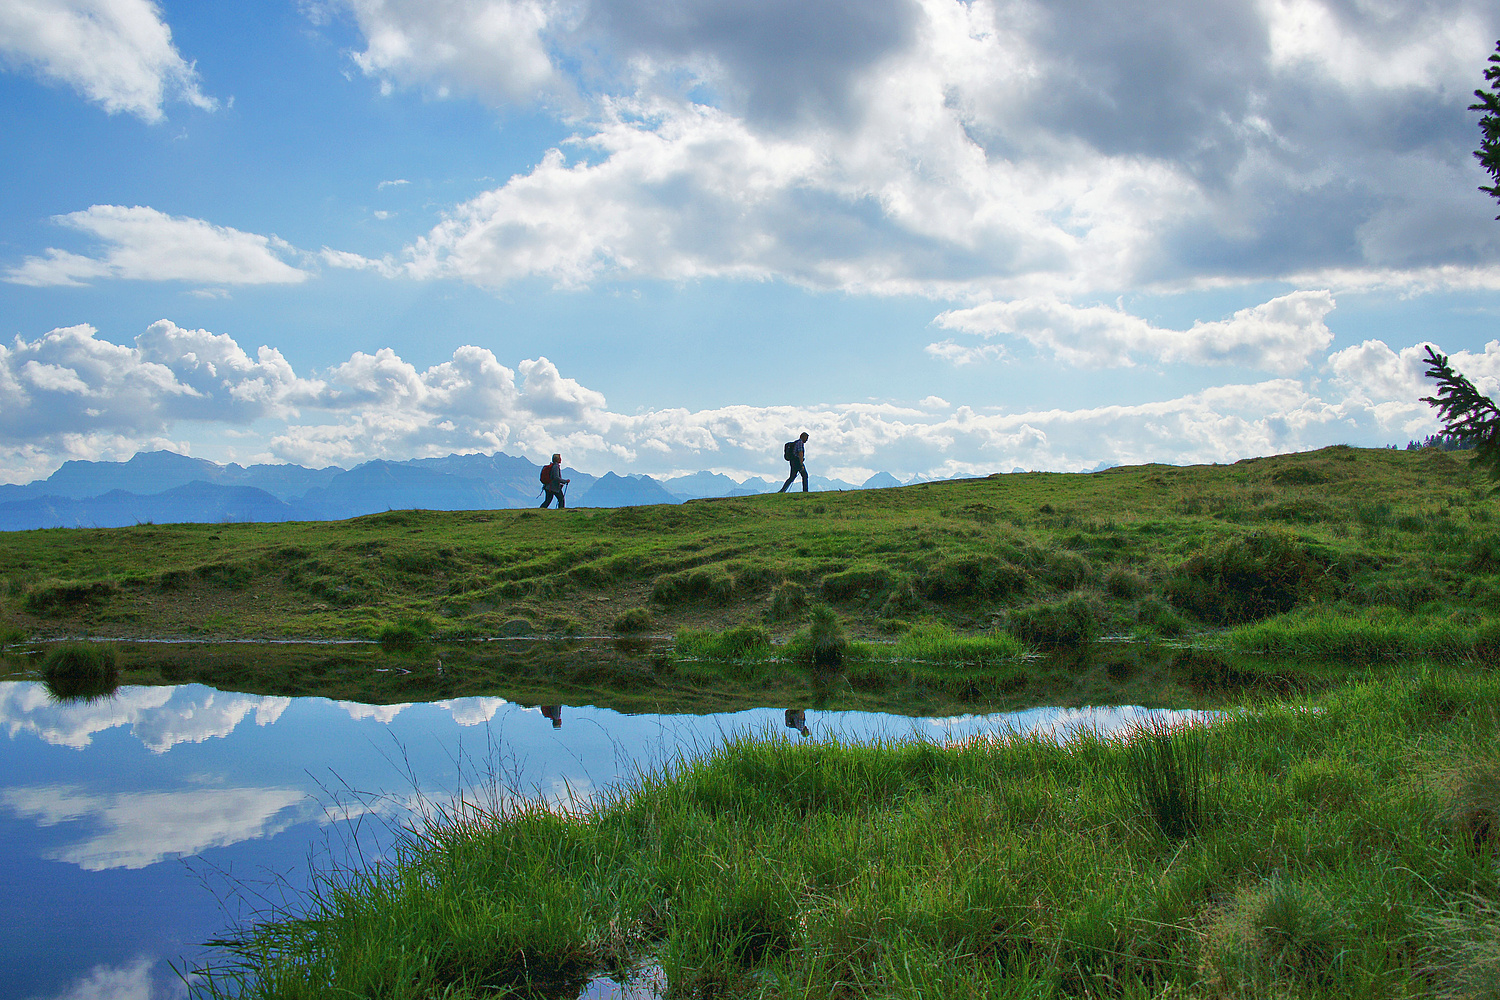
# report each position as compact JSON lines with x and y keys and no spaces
{"x":554,"y":484}
{"x":794,"y":452}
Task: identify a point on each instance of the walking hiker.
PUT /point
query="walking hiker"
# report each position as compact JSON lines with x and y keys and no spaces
{"x":794,"y":452}
{"x":554,"y":484}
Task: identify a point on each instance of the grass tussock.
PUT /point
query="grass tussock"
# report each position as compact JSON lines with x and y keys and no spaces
{"x":1319,"y":861}
{"x":634,"y":621}
{"x":82,"y":671}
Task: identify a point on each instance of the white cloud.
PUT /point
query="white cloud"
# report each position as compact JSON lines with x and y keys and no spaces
{"x":133,"y":981}
{"x":1279,"y":336}
{"x":142,"y":244}
{"x":381,"y":406}
{"x":984,"y":150}
{"x":490,"y":47}
{"x":138,"y":829}
{"x":116,"y":53}
{"x":160,"y":717}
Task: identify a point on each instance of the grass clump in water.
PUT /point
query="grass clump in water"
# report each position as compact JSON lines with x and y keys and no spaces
{"x":824,"y":643}
{"x":82,"y":671}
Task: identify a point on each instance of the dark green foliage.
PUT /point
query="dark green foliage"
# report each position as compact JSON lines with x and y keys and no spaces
{"x":634,"y":621}
{"x":1067,"y":624}
{"x":710,"y":584}
{"x":1467,"y":415}
{"x":81,"y":671}
{"x":1261,"y":574}
{"x":1488,"y":152}
{"x":859,"y":581}
{"x":972,"y":576}
{"x":1158,"y":618}
{"x":59,"y":596}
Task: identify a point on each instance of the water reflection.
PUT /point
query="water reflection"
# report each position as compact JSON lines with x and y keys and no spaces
{"x":99,"y":799}
{"x":796,"y":718}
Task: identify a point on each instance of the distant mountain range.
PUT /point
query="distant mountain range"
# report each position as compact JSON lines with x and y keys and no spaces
{"x":162,"y":487}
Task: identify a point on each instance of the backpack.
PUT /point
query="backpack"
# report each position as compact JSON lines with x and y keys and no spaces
{"x":789,"y":451}
{"x":546,"y":474}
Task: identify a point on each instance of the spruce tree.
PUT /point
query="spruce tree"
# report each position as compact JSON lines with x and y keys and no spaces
{"x":1468,"y":415}
{"x":1488,"y":152}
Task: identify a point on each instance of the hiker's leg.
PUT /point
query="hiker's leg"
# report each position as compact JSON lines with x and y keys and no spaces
{"x":789,"y":479}
{"x":562,"y":501}
{"x":803,"y":469}
{"x":548,"y":502}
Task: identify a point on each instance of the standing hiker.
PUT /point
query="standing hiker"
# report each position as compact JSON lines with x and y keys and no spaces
{"x":554,"y":484}
{"x":794,"y":452}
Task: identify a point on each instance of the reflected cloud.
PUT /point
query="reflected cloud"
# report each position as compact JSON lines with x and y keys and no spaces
{"x":134,"y":981}
{"x":161,"y":717}
{"x":473,"y":711}
{"x":380,"y":713}
{"x":137,"y":829}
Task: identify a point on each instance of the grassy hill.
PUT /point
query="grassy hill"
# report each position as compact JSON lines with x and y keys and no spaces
{"x":1049,"y":557}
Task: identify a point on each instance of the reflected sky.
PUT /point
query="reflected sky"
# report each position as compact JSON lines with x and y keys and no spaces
{"x":135,"y":827}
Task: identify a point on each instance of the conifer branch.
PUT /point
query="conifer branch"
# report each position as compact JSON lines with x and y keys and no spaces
{"x":1467,"y":414}
{"x":1488,"y":152}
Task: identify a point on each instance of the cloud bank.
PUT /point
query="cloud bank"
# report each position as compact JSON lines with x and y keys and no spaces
{"x":70,"y":394}
{"x":999,"y":149}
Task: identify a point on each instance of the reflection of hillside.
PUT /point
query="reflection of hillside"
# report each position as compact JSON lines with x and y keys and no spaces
{"x":136,"y":829}
{"x":160,"y":717}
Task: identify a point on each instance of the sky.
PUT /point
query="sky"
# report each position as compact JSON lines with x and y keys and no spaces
{"x":943,"y":238}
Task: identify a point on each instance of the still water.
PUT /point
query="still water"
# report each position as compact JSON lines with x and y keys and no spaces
{"x":135,"y":828}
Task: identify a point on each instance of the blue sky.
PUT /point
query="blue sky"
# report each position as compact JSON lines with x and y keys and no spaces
{"x":942,"y":237}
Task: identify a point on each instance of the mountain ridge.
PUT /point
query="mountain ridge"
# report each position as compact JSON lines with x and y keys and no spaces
{"x":166,"y":487}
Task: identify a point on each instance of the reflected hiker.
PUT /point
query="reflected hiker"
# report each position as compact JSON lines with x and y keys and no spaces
{"x":554,"y":484}
{"x":794,"y":452}
{"x":796,"y":718}
{"x":553,"y":712}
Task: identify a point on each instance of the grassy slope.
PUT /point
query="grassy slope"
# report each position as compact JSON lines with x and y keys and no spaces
{"x":1348,"y":527}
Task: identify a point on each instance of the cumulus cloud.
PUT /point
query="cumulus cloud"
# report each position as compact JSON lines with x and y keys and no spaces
{"x":116,"y":53}
{"x":69,"y":394}
{"x":491,"y":47}
{"x":142,"y":244}
{"x":160,"y":717}
{"x":1280,"y":336}
{"x":138,"y":829}
{"x":999,"y":149}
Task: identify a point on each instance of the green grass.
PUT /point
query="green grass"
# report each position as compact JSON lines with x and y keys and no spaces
{"x":1315,"y":849}
{"x":1145,"y":550}
{"x":1372,"y":634}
